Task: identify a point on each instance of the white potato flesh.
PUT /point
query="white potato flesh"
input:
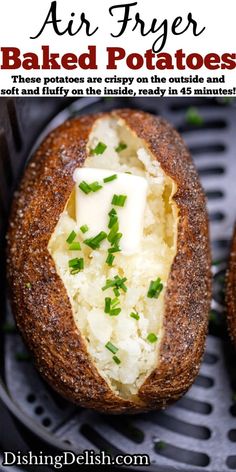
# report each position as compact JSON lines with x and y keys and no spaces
{"x":138,"y":356}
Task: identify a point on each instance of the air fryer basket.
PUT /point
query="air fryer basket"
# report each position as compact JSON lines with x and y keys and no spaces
{"x":198,"y":432}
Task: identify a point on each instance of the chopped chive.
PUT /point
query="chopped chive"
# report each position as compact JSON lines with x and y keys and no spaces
{"x":115,"y":302}
{"x":99,"y":149}
{"x":116,"y":360}
{"x":81,"y":263}
{"x":152,"y":338}
{"x":123,"y":287}
{"x":213,"y":317}
{"x":216,"y":262}
{"x":116,"y":292}
{"x":193,"y":117}
{"x":73,"y":262}
{"x":113,"y":220}
{"x":94,"y":243}
{"x":111,"y":347}
{"x":107,"y":305}
{"x":95,"y":186}
{"x":117,"y":282}
{"x":119,"y":200}
{"x":84,"y":228}
{"x":75,"y":246}
{"x":110,"y":259}
{"x":112,"y":250}
{"x":121,"y":146}
{"x":155,"y":288}
{"x":109,"y":283}
{"x":113,"y":232}
{"x":115,"y":199}
{"x":115,"y":312}
{"x":116,"y":239}
{"x":135,"y":316}
{"x":28,"y":285}
{"x":128,"y":172}
{"x":71,"y":237}
{"x":74,"y":271}
{"x":111,"y":306}
{"x":109,"y":179}
{"x":112,"y":212}
{"x":76,"y":265}
{"x":85,"y":187}
{"x":160,"y":445}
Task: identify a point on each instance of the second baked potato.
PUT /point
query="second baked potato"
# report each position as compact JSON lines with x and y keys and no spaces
{"x":231,"y":290}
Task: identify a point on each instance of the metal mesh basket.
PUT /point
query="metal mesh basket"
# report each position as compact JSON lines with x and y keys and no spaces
{"x":198,"y":432}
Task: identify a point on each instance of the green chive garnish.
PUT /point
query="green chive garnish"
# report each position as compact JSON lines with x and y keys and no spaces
{"x":115,"y":312}
{"x":112,"y":212}
{"x":75,"y":246}
{"x":73,"y":262}
{"x":160,"y":445}
{"x":107,"y":305}
{"x":121,"y":146}
{"x":155,"y":288}
{"x":193,"y":117}
{"x":110,"y":259}
{"x":119,"y":200}
{"x":111,"y":347}
{"x":112,"y":250}
{"x":113,"y":232}
{"x":135,"y":316}
{"x":116,"y":360}
{"x":116,"y":239}
{"x":109,"y":179}
{"x":85,"y":187}
{"x":117,"y":282}
{"x":84,"y":228}
{"x":115,"y":302}
{"x":28,"y":285}
{"x":152,"y":338}
{"x":116,"y":292}
{"x":95,"y":186}
{"x":99,"y":149}
{"x":113,"y":218}
{"x":76,"y":265}
{"x":94,"y":243}
{"x":71,"y":237}
{"x":111,"y":306}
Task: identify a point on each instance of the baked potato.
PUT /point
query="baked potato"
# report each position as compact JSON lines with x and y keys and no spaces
{"x":231,"y":290}
{"x":109,"y":329}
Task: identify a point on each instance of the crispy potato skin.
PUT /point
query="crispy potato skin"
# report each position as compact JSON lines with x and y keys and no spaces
{"x":43,"y":311}
{"x":231,"y":290}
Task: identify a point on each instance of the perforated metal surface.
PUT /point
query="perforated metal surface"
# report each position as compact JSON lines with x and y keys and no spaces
{"x":198,"y":432}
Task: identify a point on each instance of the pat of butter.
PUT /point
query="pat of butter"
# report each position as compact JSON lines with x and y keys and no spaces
{"x":92,"y":209}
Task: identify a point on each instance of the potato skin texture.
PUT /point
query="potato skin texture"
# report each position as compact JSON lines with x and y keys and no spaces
{"x":43,"y":311}
{"x":231,"y":291}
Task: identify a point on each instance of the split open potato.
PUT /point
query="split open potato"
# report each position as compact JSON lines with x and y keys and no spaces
{"x":115,"y":318}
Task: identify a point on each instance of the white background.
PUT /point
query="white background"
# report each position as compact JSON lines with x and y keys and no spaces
{"x":21,"y":19}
